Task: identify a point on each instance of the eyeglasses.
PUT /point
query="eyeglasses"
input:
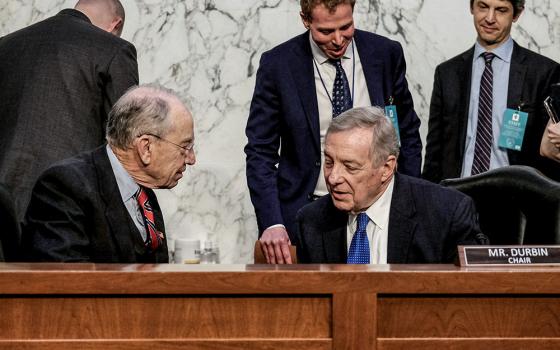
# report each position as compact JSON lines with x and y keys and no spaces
{"x":186,"y":148}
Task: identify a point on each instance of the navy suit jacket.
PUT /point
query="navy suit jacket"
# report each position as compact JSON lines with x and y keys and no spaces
{"x":530,"y":77}
{"x":284,"y":151}
{"x":76,"y":214}
{"x":426,"y":223}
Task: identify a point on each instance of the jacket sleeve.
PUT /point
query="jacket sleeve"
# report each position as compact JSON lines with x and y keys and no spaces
{"x":55,"y":223}
{"x":263,"y":135}
{"x":410,"y":159}
{"x":434,"y":141}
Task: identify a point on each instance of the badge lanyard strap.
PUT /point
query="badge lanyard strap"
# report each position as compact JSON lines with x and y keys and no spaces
{"x":353,"y":76}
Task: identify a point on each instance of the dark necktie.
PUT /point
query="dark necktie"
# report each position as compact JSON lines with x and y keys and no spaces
{"x":341,"y":96}
{"x":359,"y":247}
{"x":483,"y":143}
{"x":153,"y":238}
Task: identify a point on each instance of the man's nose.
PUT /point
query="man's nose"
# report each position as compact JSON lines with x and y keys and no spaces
{"x":190,"y":158}
{"x":338,"y":39}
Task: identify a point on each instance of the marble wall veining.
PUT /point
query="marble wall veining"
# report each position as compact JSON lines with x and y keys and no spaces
{"x":209,"y":50}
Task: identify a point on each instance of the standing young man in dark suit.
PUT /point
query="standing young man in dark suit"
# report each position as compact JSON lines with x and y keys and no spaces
{"x":99,"y":206}
{"x":374,"y":215}
{"x":58,"y":81}
{"x":300,"y":86}
{"x":476,"y":101}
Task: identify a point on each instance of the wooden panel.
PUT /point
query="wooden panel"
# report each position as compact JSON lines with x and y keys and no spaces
{"x":264,"y":344}
{"x":469,"y":344}
{"x":165,"y":317}
{"x":464,"y":317}
{"x":354,"y":321}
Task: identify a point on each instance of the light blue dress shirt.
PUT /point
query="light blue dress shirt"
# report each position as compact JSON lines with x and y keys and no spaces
{"x":127,"y":187}
{"x":500,"y":67}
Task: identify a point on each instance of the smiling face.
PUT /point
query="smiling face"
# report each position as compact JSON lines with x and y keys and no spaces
{"x":353,"y":180}
{"x":170,"y":160}
{"x":493,"y":20}
{"x":331,"y":30}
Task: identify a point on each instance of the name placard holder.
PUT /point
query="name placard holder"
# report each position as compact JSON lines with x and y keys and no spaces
{"x":509,"y":255}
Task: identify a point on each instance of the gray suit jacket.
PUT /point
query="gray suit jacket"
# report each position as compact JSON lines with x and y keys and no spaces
{"x":530,"y":78}
{"x":58,"y":81}
{"x":76,"y":214}
{"x":426,"y":223}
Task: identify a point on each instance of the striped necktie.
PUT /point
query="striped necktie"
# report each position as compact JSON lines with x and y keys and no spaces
{"x":341,"y":96}
{"x":359,"y":247}
{"x":483,"y":143}
{"x":154,"y":238}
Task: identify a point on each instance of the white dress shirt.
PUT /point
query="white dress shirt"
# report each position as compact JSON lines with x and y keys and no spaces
{"x":377,"y":228}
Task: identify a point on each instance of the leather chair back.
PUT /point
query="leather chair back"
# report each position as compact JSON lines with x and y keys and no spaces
{"x":516,"y":204}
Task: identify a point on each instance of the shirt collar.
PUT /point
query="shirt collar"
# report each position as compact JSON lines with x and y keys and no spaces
{"x":503,"y":52}
{"x":378,"y":212}
{"x":127,"y":186}
{"x":320,"y":56}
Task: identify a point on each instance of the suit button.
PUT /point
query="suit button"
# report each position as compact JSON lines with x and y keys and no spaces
{"x":318,"y":163}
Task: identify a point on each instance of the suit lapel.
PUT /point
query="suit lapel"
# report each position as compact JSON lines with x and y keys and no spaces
{"x":373,"y":70}
{"x":401,"y":223}
{"x":115,"y":211}
{"x":464,"y":76}
{"x":302,"y":70}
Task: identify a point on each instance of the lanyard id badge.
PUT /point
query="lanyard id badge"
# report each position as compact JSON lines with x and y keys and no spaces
{"x":391,"y":113}
{"x":513,"y":129}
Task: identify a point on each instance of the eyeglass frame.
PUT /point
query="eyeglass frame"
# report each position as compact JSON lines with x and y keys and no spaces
{"x":186,"y":149}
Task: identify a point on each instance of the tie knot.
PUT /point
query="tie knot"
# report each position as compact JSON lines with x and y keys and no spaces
{"x":335,"y":62}
{"x":488,"y":57}
{"x":363,"y":220}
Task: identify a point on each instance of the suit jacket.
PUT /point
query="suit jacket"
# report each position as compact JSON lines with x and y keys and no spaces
{"x":58,"y":81}
{"x":283,"y":149}
{"x":530,"y":78}
{"x":426,"y":223}
{"x":76,"y":214}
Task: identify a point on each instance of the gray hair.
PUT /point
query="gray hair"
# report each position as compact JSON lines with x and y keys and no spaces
{"x":384,"y":138}
{"x":141,"y":110}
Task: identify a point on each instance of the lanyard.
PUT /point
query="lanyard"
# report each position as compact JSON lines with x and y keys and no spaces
{"x":353,"y":76}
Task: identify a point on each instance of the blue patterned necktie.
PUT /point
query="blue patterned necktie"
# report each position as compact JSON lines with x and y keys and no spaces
{"x":341,"y":96}
{"x":359,"y":248}
{"x":483,"y":142}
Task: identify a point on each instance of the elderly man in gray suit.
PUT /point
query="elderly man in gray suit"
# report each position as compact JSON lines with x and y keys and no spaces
{"x":373,"y":214}
{"x":99,"y":206}
{"x":58,"y":81}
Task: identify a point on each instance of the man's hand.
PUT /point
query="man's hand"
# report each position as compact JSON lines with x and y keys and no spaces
{"x":275,"y":245}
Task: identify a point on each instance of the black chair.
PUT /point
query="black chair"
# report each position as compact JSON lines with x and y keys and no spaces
{"x":516,"y":204}
{"x":10,"y":232}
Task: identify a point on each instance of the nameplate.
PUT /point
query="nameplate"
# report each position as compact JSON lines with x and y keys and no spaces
{"x":509,"y":255}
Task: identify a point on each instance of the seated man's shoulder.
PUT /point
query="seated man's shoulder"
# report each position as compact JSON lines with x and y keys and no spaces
{"x":430,"y":190}
{"x":76,"y":171}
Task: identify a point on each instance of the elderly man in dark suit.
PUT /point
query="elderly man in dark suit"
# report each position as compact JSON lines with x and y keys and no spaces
{"x":99,"y":206}
{"x":475,"y":94}
{"x":374,"y":215}
{"x":58,"y":81}
{"x":301,"y":85}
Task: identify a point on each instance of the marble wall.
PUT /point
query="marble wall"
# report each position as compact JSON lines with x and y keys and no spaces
{"x":208,"y":51}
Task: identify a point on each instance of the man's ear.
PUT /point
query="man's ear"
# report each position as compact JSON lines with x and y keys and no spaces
{"x":388,"y":168}
{"x":116,"y":26}
{"x":144,"y":148}
{"x":306,"y":23}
